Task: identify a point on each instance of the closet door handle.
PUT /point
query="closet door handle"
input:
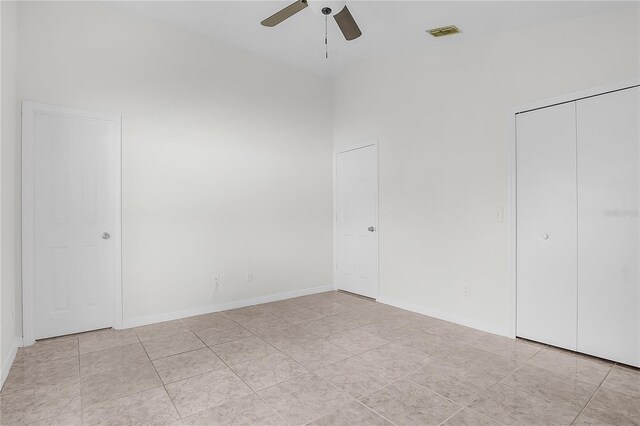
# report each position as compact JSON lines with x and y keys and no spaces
{"x":545,"y":236}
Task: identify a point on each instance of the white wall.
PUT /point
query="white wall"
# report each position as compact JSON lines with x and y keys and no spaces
{"x":11,"y":304}
{"x":226,"y":156}
{"x":440,"y":115}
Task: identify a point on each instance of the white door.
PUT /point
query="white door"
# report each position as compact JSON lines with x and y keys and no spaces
{"x":71,"y":217}
{"x":609,"y":226}
{"x":546,"y":225}
{"x":356,"y":221}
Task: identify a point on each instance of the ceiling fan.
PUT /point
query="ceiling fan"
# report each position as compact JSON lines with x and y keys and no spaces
{"x":343,"y":17}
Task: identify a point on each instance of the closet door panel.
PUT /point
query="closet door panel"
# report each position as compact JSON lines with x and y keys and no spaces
{"x":546,"y":225}
{"x":608,"y":226}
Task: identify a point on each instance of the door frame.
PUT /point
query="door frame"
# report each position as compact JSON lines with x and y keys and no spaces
{"x":366,"y":144}
{"x":512,"y":173}
{"x":29,"y":109}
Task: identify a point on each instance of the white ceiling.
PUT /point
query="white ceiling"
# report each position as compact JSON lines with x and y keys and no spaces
{"x":387,"y":26}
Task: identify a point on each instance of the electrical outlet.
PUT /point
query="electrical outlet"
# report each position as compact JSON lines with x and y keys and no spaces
{"x":499,"y":215}
{"x":249,"y":276}
{"x":216,"y":280}
{"x":467,"y":291}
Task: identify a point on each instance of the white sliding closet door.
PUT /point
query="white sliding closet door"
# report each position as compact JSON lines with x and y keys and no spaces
{"x":546,"y":225}
{"x":608,"y":226}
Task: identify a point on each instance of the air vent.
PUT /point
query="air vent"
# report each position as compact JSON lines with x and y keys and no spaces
{"x":444,"y":31}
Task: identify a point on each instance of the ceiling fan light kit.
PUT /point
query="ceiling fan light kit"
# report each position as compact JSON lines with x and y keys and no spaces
{"x":327,"y":7}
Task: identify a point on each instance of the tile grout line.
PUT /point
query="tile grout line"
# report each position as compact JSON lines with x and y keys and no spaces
{"x":128,"y":394}
{"x":483,"y":415}
{"x":451,"y":416}
{"x":528,"y":392}
{"x":540,"y":349}
{"x":178,"y":353}
{"x":476,"y":396}
{"x":371,"y":409}
{"x":337,"y":409}
{"x":79,"y":385}
{"x":512,"y":372}
{"x":552,"y":372}
{"x":160,"y":378}
{"x":404,"y":378}
{"x":82,"y":407}
{"x":353,"y":398}
{"x":240,"y":378}
{"x":255,"y":393}
{"x":324,"y":339}
{"x":211,"y":349}
{"x":594,"y":393}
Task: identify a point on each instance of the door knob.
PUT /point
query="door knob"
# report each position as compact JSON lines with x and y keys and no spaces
{"x":371,"y":229}
{"x":105,"y":235}
{"x":545,"y":236}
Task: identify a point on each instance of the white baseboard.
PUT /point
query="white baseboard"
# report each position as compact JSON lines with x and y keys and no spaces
{"x":467,"y":322}
{"x":7,"y":363}
{"x":152,"y":319}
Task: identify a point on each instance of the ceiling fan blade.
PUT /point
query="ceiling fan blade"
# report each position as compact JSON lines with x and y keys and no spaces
{"x":347,"y":24}
{"x":285,"y":13}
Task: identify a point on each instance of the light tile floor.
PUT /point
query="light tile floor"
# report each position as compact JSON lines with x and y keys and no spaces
{"x":325,"y":359}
